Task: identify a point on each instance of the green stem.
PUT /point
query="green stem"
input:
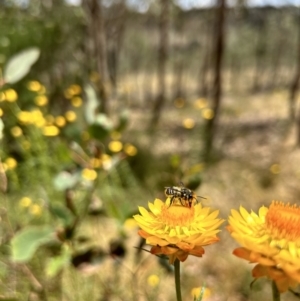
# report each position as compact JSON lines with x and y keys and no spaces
{"x":275,"y":292}
{"x":177,"y":280}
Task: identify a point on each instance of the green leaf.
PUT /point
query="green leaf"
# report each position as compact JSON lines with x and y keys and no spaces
{"x":65,"y":180}
{"x":1,"y":128}
{"x":26,"y":242}
{"x":19,"y":65}
{"x":62,"y":213}
{"x":101,"y":127}
{"x":123,"y":120}
{"x":91,"y":105}
{"x":55,"y":264}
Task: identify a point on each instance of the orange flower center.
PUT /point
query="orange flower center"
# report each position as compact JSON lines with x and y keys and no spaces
{"x":283,"y":220}
{"x":177,"y":215}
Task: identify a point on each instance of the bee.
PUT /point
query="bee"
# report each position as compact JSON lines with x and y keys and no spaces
{"x":183,"y":194}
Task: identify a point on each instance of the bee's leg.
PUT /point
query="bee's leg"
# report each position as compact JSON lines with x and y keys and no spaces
{"x":180,"y":199}
{"x":171,"y":201}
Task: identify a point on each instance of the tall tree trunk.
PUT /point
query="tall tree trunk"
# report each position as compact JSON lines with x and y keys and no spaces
{"x":294,"y":85}
{"x":97,"y":31}
{"x":210,"y":129}
{"x":162,"y":61}
{"x":116,"y":28}
{"x":278,"y":52}
{"x":203,"y":88}
{"x":260,"y":52}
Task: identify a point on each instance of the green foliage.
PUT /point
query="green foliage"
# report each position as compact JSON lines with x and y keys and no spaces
{"x":65,"y":180}
{"x":56,"y":264}
{"x":92,"y":104}
{"x":1,"y":128}
{"x":62,"y":213}
{"x":19,"y":65}
{"x":26,"y":242}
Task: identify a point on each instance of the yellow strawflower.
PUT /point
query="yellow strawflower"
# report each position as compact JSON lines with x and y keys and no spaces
{"x":176,"y":230}
{"x":271,"y":239}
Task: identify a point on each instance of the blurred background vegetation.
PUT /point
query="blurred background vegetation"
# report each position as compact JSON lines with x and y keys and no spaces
{"x":105,"y":103}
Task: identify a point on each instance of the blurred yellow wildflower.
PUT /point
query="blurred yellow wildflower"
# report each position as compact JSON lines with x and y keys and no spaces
{"x":153,"y":280}
{"x":50,"y":130}
{"x":95,"y":162}
{"x":2,"y":96}
{"x":179,"y":102}
{"x":70,"y":116}
{"x":130,"y":223}
{"x":200,"y":103}
{"x":196,"y":291}
{"x":89,"y":174}
{"x":34,"y":85}
{"x":94,"y":76}
{"x":11,"y":95}
{"x":42,"y":90}
{"x":24,"y":117}
{"x":60,"y":121}
{"x":115,"y":135}
{"x":130,"y":149}
{"x":271,"y":239}
{"x":76,"y":101}
{"x":275,"y":169}
{"x":16,"y":131}
{"x":37,"y":118}
{"x":176,"y":230}
{"x":188,"y":123}
{"x":208,"y":114}
{"x":10,"y":163}
{"x":115,"y":146}
{"x":25,"y":202}
{"x":72,"y":90}
{"x":1,"y":112}
{"x":75,"y":89}
{"x":35,"y":209}
{"x":41,"y":100}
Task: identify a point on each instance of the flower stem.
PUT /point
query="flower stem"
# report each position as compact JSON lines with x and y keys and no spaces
{"x":177,"y":279}
{"x":275,"y":292}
